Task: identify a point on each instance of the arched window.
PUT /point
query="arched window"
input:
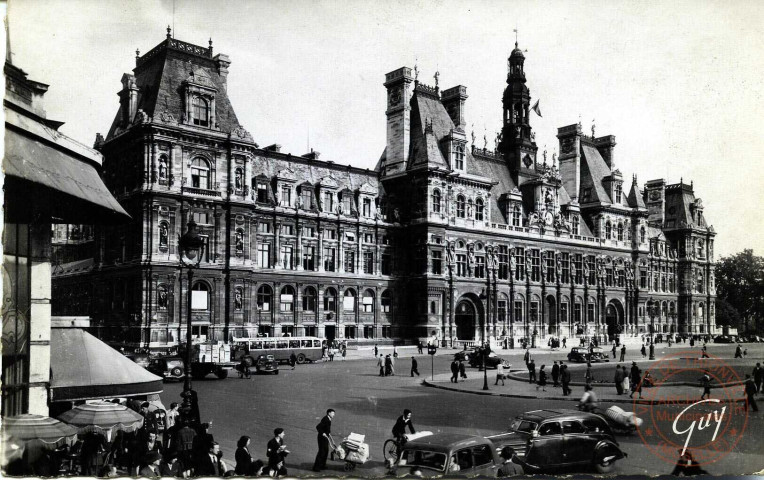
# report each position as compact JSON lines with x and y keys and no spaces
{"x":516,"y":216}
{"x":576,"y":224}
{"x":200,"y":296}
{"x":436,"y":201}
{"x":200,"y":173}
{"x":367,"y":301}
{"x":286,"y":299}
{"x":460,"y":206}
{"x":620,"y":232}
{"x":330,"y":300}
{"x":264,"y":298}
{"x":459,"y":158}
{"x":309,"y":299}
{"x":608,"y":230}
{"x":479,"y":206}
{"x":386,"y":301}
{"x":201,"y":112}
{"x":642,"y":235}
{"x":348,"y":301}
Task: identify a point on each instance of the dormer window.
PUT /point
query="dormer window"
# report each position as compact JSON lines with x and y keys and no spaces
{"x":201,"y":112}
{"x":262,"y":191}
{"x":286,"y":196}
{"x":479,"y":208}
{"x":576,"y":224}
{"x":587,"y":194}
{"x":306,"y":198}
{"x":436,"y":201}
{"x":459,"y":158}
{"x":642,"y":235}
{"x":239,"y":179}
{"x":346,"y":203}
{"x":516,"y":216}
{"x":366,"y":207}
{"x":618,"y":193}
{"x":328,"y":204}
{"x":200,"y":173}
{"x":608,"y":230}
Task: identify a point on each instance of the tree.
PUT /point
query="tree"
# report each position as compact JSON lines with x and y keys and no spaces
{"x":727,"y":315}
{"x":740,"y":282}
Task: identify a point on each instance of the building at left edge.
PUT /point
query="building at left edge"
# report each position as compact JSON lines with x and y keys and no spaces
{"x":50,"y":178}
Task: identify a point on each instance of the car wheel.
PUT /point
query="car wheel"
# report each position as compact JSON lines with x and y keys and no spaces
{"x":276,"y":372}
{"x":176,"y":372}
{"x":301,"y":358}
{"x":604,"y":461}
{"x":222,"y":373}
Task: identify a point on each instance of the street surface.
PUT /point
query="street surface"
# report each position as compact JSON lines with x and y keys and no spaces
{"x":369,"y":404}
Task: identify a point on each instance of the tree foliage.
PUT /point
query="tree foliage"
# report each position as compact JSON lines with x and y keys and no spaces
{"x":740,"y":283}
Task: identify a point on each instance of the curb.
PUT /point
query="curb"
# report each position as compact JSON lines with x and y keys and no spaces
{"x":666,"y":384}
{"x":427,"y":383}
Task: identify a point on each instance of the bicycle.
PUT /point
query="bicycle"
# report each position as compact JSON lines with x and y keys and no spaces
{"x":390,"y":449}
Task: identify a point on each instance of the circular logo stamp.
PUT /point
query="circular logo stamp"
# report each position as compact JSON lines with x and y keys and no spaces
{"x":695,"y":406}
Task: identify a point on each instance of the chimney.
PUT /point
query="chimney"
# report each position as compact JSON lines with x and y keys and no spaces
{"x":222,"y":62}
{"x":398,"y":84}
{"x":128,"y":98}
{"x":453,"y":101}
{"x":655,"y":193}
{"x":605,"y":146}
{"x":570,"y":158}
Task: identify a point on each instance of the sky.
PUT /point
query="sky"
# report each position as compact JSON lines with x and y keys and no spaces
{"x":678,"y":83}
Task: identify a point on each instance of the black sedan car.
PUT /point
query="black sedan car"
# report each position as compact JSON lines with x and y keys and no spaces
{"x":548,"y":440}
{"x":492,"y":361}
{"x":169,"y":368}
{"x":581,"y":354}
{"x":465,"y":355}
{"x":266,"y":364}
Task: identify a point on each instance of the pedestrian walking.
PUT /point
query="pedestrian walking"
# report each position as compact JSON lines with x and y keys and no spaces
{"x":324,"y":429}
{"x":499,"y":373}
{"x":532,"y":371}
{"x":565,"y":377}
{"x":388,"y":365}
{"x":613,"y":350}
{"x":738,"y":351}
{"x":292,"y":360}
{"x":623,"y":352}
{"x":276,"y":453}
{"x":750,"y":391}
{"x":395,"y":352}
{"x":555,"y":374}
{"x":564,"y":341}
{"x":381,"y":365}
{"x":705,"y":380}
{"x":527,"y":357}
{"x":758,"y":376}
{"x":588,"y":376}
{"x":344,"y":352}
{"x":419,"y":347}
{"x":414,"y":367}
{"x":635,"y":380}
{"x":462,"y":370}
{"x":376,"y":350}
{"x":643,"y":350}
{"x":332,"y":351}
{"x":542,"y":379}
{"x":455,"y":372}
{"x":625,"y":375}
{"x":618,"y":379}
{"x":704,"y":352}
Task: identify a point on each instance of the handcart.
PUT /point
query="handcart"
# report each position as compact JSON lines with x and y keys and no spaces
{"x":621,"y":421}
{"x":352,"y":450}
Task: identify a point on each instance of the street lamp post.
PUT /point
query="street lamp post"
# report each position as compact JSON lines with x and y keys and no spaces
{"x":652,"y":307}
{"x":486,"y":345}
{"x":191,"y":249}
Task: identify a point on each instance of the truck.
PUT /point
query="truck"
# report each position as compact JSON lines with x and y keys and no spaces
{"x":210,"y":357}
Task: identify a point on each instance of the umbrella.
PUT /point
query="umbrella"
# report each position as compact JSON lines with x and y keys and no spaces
{"x":51,"y":432}
{"x":104,"y":417}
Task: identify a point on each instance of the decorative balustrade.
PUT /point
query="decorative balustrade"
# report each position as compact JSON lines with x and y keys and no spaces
{"x":201,"y":191}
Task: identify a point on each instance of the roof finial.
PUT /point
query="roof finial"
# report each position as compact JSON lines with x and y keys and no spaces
{"x":169,"y":32}
{"x":634,"y":179}
{"x":210,"y":45}
{"x":416,"y":70}
{"x":436,"y":76}
{"x":544,"y":154}
{"x":137,"y":53}
{"x":554,"y":159}
{"x":515,"y":30}
{"x":485,"y":138}
{"x":579,"y":120}
{"x":592,"y":129}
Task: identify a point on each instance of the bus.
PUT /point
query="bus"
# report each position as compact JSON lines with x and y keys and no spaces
{"x":307,"y":349}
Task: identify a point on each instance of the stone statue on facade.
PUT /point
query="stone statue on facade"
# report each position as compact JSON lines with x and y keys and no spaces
{"x":451,"y":254}
{"x":237,"y":300}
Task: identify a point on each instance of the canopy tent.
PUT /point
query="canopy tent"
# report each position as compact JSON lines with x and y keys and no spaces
{"x":83,"y":368}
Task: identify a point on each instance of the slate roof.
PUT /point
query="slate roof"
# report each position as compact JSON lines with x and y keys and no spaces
{"x":593,"y":170}
{"x":679,"y":199}
{"x":634,"y":199}
{"x":425,"y":147}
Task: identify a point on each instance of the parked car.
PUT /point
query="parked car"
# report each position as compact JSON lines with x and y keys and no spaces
{"x":142,"y":359}
{"x":465,"y":355}
{"x":492,"y":361}
{"x":552,"y":439}
{"x":266,"y":364}
{"x":169,"y":368}
{"x":724,"y":339}
{"x":581,"y":354}
{"x":450,"y":455}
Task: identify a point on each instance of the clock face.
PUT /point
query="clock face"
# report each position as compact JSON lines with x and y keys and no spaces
{"x":655,"y":195}
{"x":527,"y":161}
{"x":395,"y":96}
{"x":567,"y":145}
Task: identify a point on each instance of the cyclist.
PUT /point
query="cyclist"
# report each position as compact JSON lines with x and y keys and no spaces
{"x":588,"y":402}
{"x":399,"y":430}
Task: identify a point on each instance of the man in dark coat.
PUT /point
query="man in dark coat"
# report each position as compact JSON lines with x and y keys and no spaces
{"x":462,"y":370}
{"x":613,"y":350}
{"x":324,"y":429}
{"x":208,"y":464}
{"x":388,"y":365}
{"x":706,"y":381}
{"x":738,"y":351}
{"x":532,"y":372}
{"x":623,"y":352}
{"x":414,"y":367}
{"x":399,"y":429}
{"x":376,"y":351}
{"x":758,"y":376}
{"x":565,"y":374}
{"x":276,"y":453}
{"x":750,"y":391}
{"x":455,"y":371}
{"x":618,"y":379}
{"x":184,"y":443}
{"x":555,"y":374}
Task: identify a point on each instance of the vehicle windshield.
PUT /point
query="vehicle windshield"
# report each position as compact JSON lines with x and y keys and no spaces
{"x":423,"y":458}
{"x":524,"y":426}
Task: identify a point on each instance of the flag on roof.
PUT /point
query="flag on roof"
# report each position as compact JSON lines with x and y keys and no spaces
{"x":536,"y":108}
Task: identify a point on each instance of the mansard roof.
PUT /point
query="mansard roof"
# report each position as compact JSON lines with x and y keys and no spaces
{"x":635,"y":200}
{"x":593,"y":171}
{"x":682,"y":207}
{"x":430,"y":123}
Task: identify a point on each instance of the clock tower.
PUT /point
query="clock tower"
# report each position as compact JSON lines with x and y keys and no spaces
{"x":517,"y":143}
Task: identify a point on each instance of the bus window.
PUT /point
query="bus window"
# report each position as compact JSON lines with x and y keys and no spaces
{"x":317,"y":343}
{"x":294,"y":344}
{"x":269,"y":345}
{"x":305,"y":343}
{"x":282,"y":344}
{"x":257,"y":345}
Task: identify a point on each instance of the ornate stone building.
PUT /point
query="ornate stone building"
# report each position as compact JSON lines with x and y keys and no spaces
{"x":443,"y":236}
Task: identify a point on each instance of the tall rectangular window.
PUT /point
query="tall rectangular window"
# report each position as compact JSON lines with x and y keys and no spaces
{"x":563,"y":313}
{"x":642,"y":278}
{"x":549,"y":266}
{"x":329,"y":258}
{"x":461,"y":265}
{"x":264,"y":255}
{"x":579,"y":265}
{"x":287,"y":257}
{"x":368,"y":262}
{"x":437,"y":262}
{"x":387,"y":263}
{"x":519,"y":311}
{"x":501,"y":310}
{"x":479,"y":267}
{"x":262,"y":191}
{"x":534,"y":314}
{"x":520,"y":261}
{"x":349,"y":261}
{"x":367,"y":207}
{"x":577,"y":312}
{"x":306,"y":198}
{"x":590,"y":312}
{"x":592,"y":269}
{"x":576,"y":224}
{"x":346,"y":204}
{"x":328,"y":205}
{"x":309,"y":257}
{"x":565,"y":261}
{"x":503,"y":258}
{"x":535,"y":265}
{"x":17,"y":304}
{"x":609,"y":276}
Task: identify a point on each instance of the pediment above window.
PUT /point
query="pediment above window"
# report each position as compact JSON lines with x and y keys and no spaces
{"x":286,"y":175}
{"x":329,"y":182}
{"x":367,"y":189}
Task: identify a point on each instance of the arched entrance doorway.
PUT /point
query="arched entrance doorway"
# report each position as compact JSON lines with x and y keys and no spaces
{"x":550,"y":309}
{"x":614,"y":319}
{"x":466,"y":319}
